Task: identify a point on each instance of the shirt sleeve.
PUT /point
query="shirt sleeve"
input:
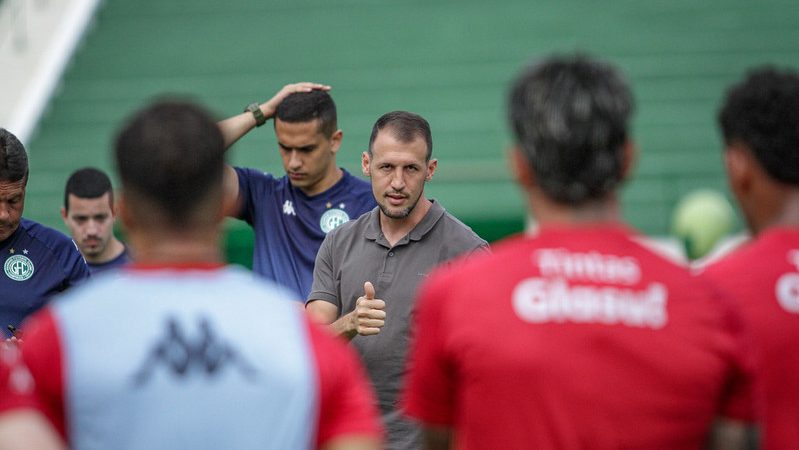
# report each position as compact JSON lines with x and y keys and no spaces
{"x":76,"y":270}
{"x":324,"y":276}
{"x":429,"y":394}
{"x":31,"y":372}
{"x":347,"y":405}
{"x":253,"y":185}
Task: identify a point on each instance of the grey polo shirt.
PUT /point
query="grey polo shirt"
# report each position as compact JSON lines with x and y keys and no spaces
{"x":357,"y":252}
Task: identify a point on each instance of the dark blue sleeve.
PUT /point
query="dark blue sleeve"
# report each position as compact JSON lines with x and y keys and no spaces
{"x":254,"y":185}
{"x":75,"y":269}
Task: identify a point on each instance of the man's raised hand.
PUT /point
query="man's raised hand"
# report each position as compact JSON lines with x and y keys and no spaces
{"x":270,"y":106}
{"x":369,"y":314}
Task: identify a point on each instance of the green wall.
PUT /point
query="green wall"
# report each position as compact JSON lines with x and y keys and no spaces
{"x":447,"y":60}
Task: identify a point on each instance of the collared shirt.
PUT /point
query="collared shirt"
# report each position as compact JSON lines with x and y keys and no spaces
{"x":289,"y":225}
{"x":358,"y":252}
{"x":37,"y":263}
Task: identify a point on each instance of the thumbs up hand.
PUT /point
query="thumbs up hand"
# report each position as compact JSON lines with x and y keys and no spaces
{"x":369,"y":314}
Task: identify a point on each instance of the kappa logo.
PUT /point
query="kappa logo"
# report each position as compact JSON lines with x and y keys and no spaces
{"x":332,"y":219}
{"x":18,"y":267}
{"x":208,"y":354}
{"x":288,"y":208}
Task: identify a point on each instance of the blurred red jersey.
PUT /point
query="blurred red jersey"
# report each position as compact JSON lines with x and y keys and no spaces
{"x":575,"y":338}
{"x":762,"y":278}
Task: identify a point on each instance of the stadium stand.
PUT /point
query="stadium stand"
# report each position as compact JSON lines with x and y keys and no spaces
{"x":448,"y":60}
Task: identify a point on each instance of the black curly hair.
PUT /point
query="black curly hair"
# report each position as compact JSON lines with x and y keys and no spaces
{"x":570,"y":116}
{"x":762,"y":113}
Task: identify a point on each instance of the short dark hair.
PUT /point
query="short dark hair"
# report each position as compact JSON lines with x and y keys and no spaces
{"x":13,"y":158}
{"x":762,"y":112}
{"x":88,"y":182}
{"x":405,"y":126}
{"x":171,"y":155}
{"x":308,"y":106}
{"x":570,"y":116}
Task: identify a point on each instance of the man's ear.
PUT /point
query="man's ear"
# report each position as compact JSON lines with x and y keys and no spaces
{"x":64,"y":214}
{"x":520,"y":168}
{"x":739,"y":165}
{"x":432,"y":165}
{"x":335,"y":140}
{"x":629,"y":158}
{"x":365,"y":164}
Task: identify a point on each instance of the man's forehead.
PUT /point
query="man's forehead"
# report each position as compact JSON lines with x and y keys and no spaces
{"x":311,"y":130}
{"x":10,"y":189}
{"x":97,"y":205}
{"x":387,"y":145}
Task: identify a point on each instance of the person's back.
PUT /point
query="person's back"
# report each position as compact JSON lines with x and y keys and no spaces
{"x":598,"y":343}
{"x":759,"y":119}
{"x":763,"y":279}
{"x":188,"y":357}
{"x":577,"y":336}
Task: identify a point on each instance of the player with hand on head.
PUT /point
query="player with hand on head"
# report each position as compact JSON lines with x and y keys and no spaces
{"x":291,"y":215}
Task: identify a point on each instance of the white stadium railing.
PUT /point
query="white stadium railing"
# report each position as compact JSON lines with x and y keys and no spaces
{"x":37,"y":40}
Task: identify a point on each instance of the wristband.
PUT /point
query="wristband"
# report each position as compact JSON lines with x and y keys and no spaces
{"x":255,"y":109}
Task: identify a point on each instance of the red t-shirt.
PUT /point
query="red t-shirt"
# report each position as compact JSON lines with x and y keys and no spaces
{"x":762,"y":278}
{"x":575,"y":338}
{"x":34,"y":376}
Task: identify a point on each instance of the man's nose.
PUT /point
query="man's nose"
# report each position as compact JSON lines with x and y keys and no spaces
{"x":398,"y":179}
{"x":294,"y":159}
{"x":92,"y":227}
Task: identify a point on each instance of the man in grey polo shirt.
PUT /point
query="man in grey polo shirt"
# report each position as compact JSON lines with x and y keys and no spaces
{"x":367,"y":270}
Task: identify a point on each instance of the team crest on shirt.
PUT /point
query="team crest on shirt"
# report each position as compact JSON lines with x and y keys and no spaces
{"x":332,"y":218}
{"x":18,"y":267}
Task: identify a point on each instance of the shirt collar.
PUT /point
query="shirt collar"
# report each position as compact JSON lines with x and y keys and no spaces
{"x":373,"y":231}
{"x":373,"y":225}
{"x":428,"y":221}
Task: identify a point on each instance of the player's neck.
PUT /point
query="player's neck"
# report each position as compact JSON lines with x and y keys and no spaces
{"x":785,"y":215}
{"x":548,"y":212}
{"x":328,"y":181}
{"x":396,"y":229}
{"x":112,"y":251}
{"x":179,"y":247}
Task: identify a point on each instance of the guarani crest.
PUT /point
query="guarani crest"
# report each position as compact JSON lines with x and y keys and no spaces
{"x":332,"y":218}
{"x":18,"y":267}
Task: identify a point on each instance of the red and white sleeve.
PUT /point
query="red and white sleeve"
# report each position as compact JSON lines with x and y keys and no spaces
{"x":31,"y":372}
{"x":429,"y":394}
{"x":347,"y":405}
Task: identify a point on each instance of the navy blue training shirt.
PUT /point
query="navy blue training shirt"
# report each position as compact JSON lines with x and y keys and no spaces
{"x":37,"y":263}
{"x":116,"y":263}
{"x":290,"y":226}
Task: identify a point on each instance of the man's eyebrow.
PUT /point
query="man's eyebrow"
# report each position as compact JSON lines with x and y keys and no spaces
{"x":301,"y":148}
